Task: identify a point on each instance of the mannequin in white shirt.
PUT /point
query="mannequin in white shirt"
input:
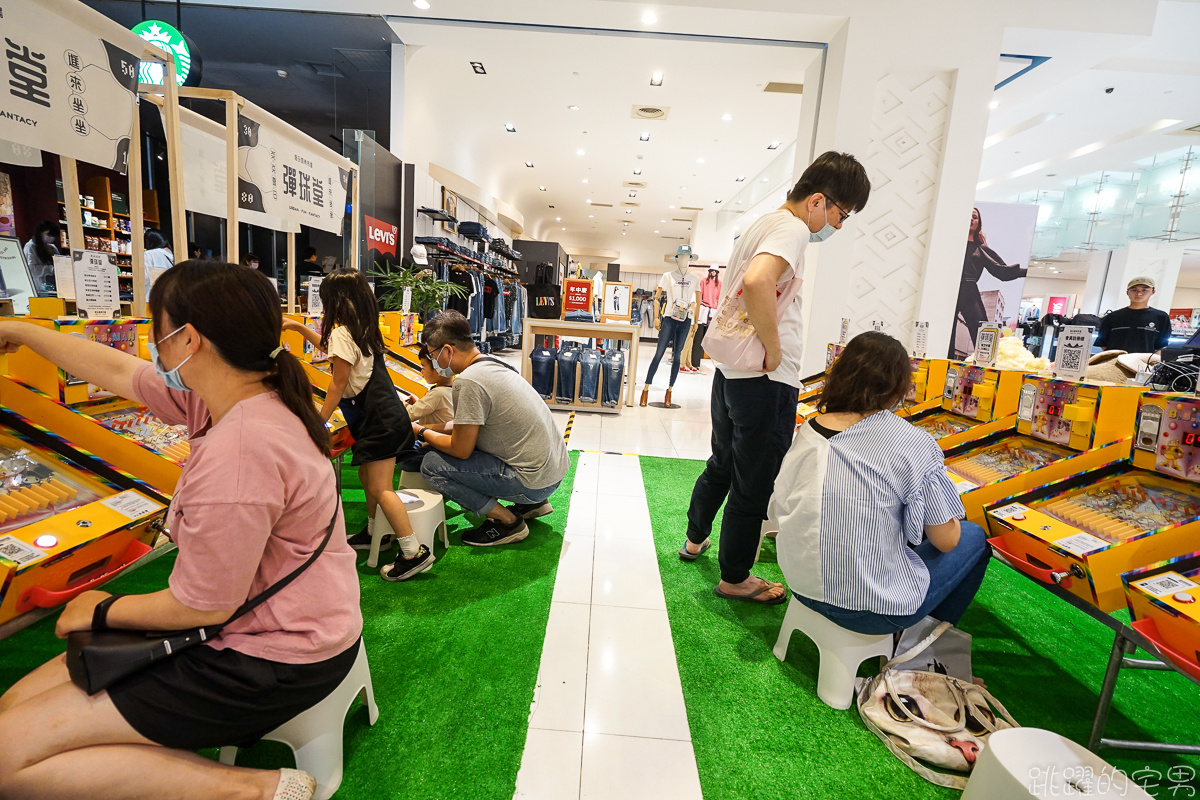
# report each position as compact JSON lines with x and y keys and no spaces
{"x":681,"y":274}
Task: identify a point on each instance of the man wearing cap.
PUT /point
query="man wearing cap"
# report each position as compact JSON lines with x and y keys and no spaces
{"x":1138,"y":328}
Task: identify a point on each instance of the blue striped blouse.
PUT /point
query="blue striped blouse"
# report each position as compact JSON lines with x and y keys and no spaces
{"x":852,"y":507}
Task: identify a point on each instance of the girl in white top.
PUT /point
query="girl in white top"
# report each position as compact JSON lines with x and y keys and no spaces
{"x":869,"y":530}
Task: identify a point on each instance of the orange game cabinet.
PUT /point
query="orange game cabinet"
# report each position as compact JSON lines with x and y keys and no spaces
{"x":128,"y":335}
{"x":975,"y":402}
{"x":68,"y":521}
{"x":1163,"y":600}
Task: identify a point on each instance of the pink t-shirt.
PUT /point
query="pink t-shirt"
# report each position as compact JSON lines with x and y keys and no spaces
{"x":252,"y":503}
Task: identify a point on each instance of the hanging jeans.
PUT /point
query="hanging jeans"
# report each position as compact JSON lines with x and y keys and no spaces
{"x":675,"y":333}
{"x":543,"y":360}
{"x":589,"y":375}
{"x":614,"y":378}
{"x":568,"y":362}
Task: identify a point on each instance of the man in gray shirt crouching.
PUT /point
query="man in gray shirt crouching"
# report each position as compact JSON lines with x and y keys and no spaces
{"x":504,"y":445}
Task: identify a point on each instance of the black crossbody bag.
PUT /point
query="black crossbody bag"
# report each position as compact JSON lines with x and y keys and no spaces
{"x":96,"y":659}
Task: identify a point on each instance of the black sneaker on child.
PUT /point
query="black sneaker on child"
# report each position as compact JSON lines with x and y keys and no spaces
{"x":404,"y":568}
{"x":362,"y":540}
{"x":493,"y":532}
{"x":532,"y":510}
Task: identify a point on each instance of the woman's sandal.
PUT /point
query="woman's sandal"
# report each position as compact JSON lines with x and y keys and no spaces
{"x":684,"y":555}
{"x":754,"y":597}
{"x":295,"y":784}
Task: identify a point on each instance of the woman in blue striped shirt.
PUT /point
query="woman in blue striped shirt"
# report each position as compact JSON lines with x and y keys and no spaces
{"x":869,"y":523}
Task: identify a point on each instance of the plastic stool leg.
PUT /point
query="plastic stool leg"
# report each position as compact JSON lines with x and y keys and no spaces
{"x":835,"y":680}
{"x":228,"y":756}
{"x":785,"y":631}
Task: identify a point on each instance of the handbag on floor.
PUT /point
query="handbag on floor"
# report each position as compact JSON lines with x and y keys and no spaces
{"x":98,"y":659}
{"x":930,"y":717}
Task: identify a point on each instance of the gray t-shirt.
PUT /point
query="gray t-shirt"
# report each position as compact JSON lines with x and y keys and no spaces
{"x":515,"y":424}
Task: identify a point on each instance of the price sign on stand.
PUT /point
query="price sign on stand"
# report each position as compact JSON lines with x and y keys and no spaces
{"x":845,"y":330}
{"x":987,"y":344}
{"x":920,"y":338}
{"x":96,"y":292}
{"x":314,"y":296}
{"x":407,"y":306}
{"x":1074,"y":349}
{"x":577,"y":296}
{"x":64,"y":277}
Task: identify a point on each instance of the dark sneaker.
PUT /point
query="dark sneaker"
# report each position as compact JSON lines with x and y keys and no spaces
{"x":362,"y":541}
{"x":493,"y":532}
{"x":532,"y":510}
{"x":404,"y":568}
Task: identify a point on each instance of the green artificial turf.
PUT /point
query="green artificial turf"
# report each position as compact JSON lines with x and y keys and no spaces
{"x":454,"y":659}
{"x":759,"y":730}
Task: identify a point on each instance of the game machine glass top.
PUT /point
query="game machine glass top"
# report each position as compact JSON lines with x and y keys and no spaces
{"x":975,"y":402}
{"x":68,"y":522}
{"x":1083,"y":532}
{"x":1063,"y":428}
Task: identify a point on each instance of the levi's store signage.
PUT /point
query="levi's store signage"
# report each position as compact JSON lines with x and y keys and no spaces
{"x":381,"y":236}
{"x":577,"y":296}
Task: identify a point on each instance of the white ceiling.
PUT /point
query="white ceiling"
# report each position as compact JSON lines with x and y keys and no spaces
{"x":456,"y":120}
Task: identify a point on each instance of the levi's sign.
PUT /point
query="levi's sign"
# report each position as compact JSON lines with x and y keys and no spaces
{"x":381,"y":236}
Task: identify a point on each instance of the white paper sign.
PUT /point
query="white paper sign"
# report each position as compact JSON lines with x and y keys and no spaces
{"x":131,"y":504}
{"x":407,"y":304}
{"x":845,"y":330}
{"x":314,"y":296}
{"x":1081,"y":544}
{"x":16,"y":283}
{"x":70,"y":82}
{"x":18,"y":552}
{"x":920,"y":339}
{"x":1074,"y":350}
{"x":96,"y":290}
{"x":19,"y":154}
{"x":988,"y":344}
{"x":877,"y":325}
{"x":280,"y":175}
{"x":1164,"y":584}
{"x":64,"y":277}
{"x":1010,"y":510}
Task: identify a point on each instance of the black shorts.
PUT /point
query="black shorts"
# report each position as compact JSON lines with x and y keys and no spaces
{"x":214,"y":698}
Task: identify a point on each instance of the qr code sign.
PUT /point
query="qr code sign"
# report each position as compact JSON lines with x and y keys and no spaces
{"x":1071,"y":361}
{"x":18,"y":552}
{"x":1165,"y":584}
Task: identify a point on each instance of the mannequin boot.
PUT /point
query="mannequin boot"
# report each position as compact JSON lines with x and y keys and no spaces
{"x":645,"y":395}
{"x":667,"y":399}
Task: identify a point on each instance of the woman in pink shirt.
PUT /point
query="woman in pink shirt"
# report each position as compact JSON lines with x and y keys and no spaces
{"x":253,"y":502}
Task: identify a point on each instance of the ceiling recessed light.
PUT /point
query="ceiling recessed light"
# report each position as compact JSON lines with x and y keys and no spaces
{"x":541,"y":188}
{"x":656,"y":79}
{"x":699,"y":160}
{"x":670,"y":206}
{"x":564,"y":229}
{"x":773,"y":146}
{"x":573,"y":108}
{"x":739,"y":202}
{"x":633,"y":194}
{"x":591,"y":216}
{"x":510,"y":128}
{"x":740,"y":179}
{"x":629,"y":211}
{"x":580,"y":152}
{"x":662,"y":220}
{"x":764,"y":180}
{"x":637,"y":171}
{"x":421,"y":4}
{"x":585,"y":180}
{"x":529,"y":163}
{"x":478,"y":67}
{"x":622,"y":233}
{"x":589,"y":201}
{"x":649,"y":18}
{"x":994,"y":104}
{"x":683,"y":188}
{"x":656,"y":231}
{"x":645,"y":137}
{"x":626,"y":224}
{"x":726,"y":117}
{"x":558,"y":219}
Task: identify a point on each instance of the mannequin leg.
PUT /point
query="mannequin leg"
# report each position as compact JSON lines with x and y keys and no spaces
{"x":665,"y":335}
{"x":679,"y":334}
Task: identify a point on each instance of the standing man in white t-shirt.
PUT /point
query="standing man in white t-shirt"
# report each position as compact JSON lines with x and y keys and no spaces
{"x":754,"y":413}
{"x":679,"y":287}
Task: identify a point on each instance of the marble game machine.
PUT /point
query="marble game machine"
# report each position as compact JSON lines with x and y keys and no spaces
{"x":974,"y":402}
{"x":928,"y":380}
{"x":68,"y":521}
{"x":1063,"y":428}
{"x":810,"y":391}
{"x":123,"y":433}
{"x":1083,"y":533}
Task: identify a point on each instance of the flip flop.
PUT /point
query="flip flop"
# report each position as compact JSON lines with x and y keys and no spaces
{"x":753,"y":596}
{"x":684,"y":555}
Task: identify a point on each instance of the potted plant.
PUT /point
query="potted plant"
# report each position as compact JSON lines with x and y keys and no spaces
{"x":428,"y":293}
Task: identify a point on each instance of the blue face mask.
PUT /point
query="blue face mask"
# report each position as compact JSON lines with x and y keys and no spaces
{"x":826,"y":231}
{"x":170,"y":376}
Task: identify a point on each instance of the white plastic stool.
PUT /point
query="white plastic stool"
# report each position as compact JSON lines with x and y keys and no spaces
{"x":841,"y":651}
{"x":315,"y":735}
{"x":768,"y":526}
{"x":1030,"y":762}
{"x":414,"y":480}
{"x":427,"y":516}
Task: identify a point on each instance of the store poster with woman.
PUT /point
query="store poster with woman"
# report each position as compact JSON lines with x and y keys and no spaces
{"x":999,"y":243}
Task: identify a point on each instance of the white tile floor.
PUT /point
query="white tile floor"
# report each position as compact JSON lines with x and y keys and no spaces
{"x":608,"y":720}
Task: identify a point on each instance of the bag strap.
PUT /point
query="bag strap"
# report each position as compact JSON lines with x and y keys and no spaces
{"x":272,"y":590}
{"x":938,"y":778}
{"x":495,"y":360}
{"x":920,"y":646}
{"x":955,"y":691}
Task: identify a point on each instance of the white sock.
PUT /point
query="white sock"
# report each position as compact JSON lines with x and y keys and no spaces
{"x":409,"y":546}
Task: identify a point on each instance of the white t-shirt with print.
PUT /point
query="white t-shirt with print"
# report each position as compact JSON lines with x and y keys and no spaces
{"x":679,"y":288}
{"x":342,"y":345}
{"x":780,"y":233}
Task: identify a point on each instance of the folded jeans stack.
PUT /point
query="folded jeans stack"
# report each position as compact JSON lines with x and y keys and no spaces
{"x":614,"y":378}
{"x":589,"y":375}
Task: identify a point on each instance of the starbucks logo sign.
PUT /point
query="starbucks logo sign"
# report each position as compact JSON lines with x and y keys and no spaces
{"x":166,"y":38}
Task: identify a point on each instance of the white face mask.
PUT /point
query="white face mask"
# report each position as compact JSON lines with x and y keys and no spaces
{"x":446,"y":371}
{"x":826,"y":231}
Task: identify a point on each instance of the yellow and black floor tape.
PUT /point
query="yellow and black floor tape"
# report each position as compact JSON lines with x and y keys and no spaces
{"x":567,"y":430}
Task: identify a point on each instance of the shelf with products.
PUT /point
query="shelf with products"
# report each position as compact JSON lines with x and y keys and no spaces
{"x":107,"y":216}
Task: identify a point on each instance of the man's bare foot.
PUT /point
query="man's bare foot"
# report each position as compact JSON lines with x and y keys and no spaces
{"x":692,"y":547}
{"x":763,"y":591}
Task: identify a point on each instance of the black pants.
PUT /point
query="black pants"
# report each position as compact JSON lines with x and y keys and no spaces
{"x":698,"y":345}
{"x":971,"y":309}
{"x":752,"y":424}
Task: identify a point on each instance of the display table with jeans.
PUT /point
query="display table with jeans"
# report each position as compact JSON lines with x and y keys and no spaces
{"x":580,"y":380}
